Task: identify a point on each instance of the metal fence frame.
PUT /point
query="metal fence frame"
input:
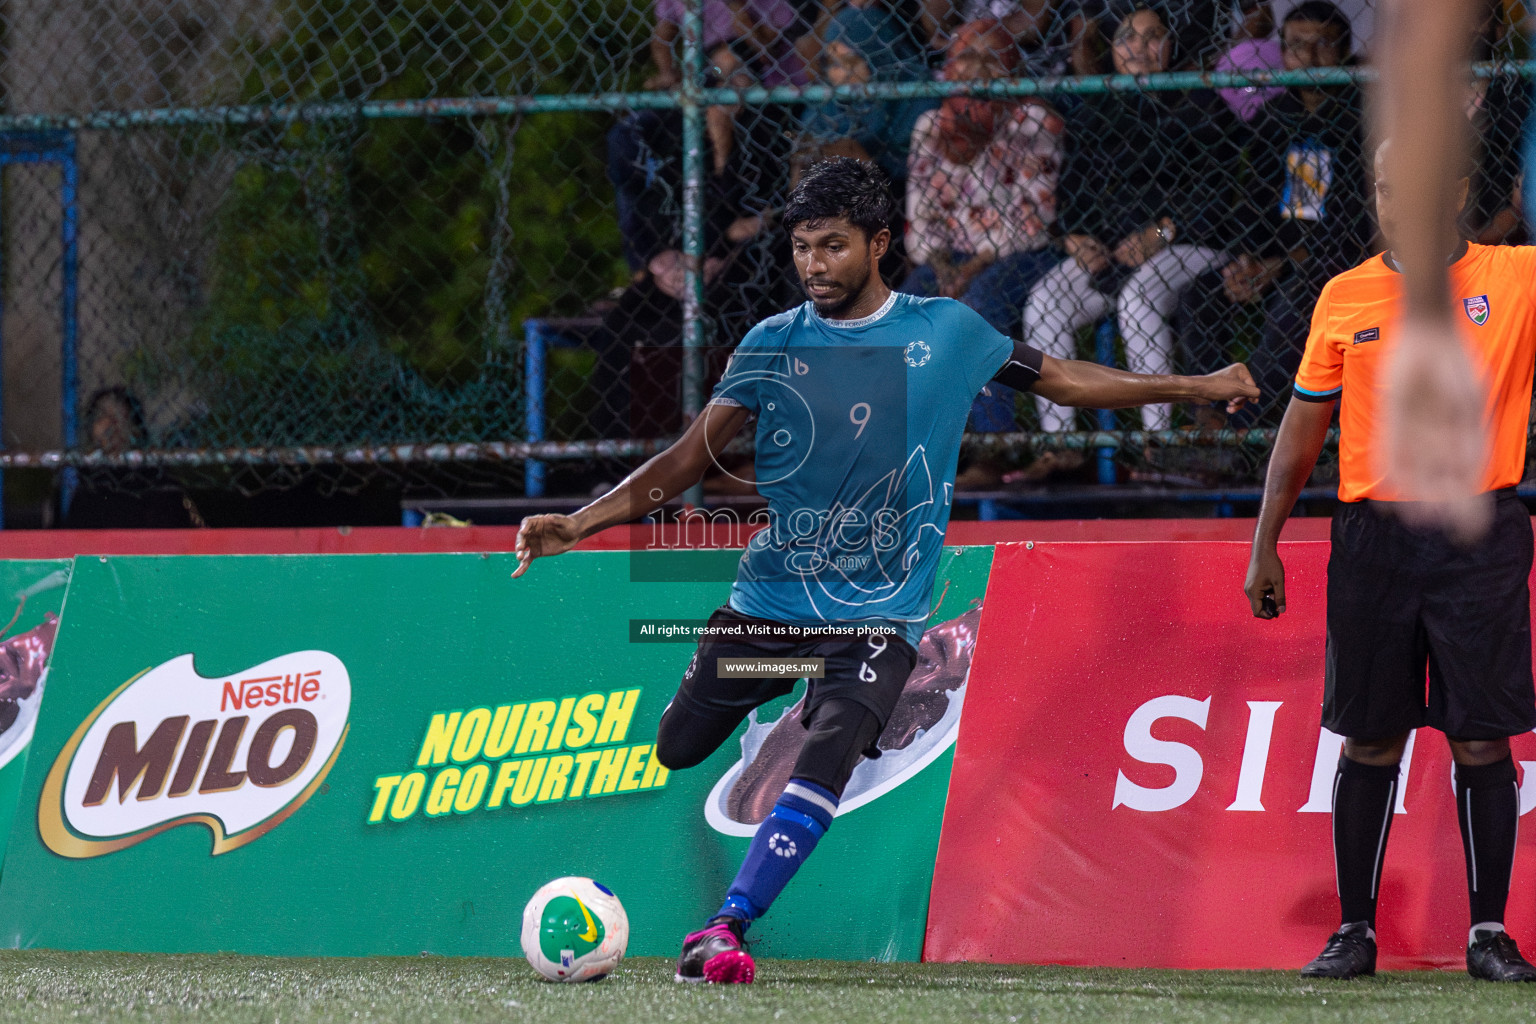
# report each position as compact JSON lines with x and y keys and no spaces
{"x":55,"y":146}
{"x":691,"y":99}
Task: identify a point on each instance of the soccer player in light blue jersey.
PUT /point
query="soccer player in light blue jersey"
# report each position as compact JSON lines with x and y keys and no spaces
{"x":860,"y":397}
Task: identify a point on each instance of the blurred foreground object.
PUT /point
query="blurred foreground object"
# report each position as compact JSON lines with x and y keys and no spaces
{"x":1436,"y":436}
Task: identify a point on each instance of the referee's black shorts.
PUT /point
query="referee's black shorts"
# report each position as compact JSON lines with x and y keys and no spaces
{"x":1401,"y":600}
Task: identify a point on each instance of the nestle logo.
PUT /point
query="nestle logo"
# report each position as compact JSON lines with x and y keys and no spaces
{"x":1372,"y":334}
{"x":271,"y":691}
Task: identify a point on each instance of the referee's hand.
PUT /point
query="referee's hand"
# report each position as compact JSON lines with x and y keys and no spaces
{"x":1265,"y":585}
{"x":541,"y":536}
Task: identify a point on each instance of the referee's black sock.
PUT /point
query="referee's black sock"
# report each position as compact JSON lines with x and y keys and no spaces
{"x":1488,"y":811}
{"x":1364,"y":796}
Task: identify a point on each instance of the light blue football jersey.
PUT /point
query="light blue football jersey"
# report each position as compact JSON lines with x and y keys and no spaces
{"x":858,"y":435}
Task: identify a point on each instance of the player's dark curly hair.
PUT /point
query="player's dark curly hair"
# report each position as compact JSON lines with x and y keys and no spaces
{"x":840,"y":186}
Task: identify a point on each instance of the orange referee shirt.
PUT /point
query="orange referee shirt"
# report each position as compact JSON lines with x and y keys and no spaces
{"x":1494,"y":291}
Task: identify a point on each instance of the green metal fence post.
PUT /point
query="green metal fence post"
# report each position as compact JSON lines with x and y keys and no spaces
{"x":693,"y":219}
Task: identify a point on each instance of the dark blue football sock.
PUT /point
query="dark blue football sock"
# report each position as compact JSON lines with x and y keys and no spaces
{"x":783,"y":841}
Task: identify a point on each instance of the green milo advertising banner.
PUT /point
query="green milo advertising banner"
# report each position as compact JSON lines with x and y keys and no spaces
{"x":388,"y":754}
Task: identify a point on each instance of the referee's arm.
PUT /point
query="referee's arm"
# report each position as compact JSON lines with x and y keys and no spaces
{"x":1300,"y":441}
{"x":661,"y":479}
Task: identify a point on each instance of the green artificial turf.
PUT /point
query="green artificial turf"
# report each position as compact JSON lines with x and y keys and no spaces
{"x":39,"y":985}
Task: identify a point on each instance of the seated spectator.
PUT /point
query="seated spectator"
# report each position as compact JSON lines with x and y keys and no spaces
{"x":1192,"y":23}
{"x":744,"y":268}
{"x":1146,"y":211}
{"x":1361,"y":15}
{"x":764,"y":30}
{"x":923,"y":24}
{"x":866,"y":44}
{"x":1252,"y":49}
{"x":645,"y":162}
{"x":1024,"y":20}
{"x":110,"y":498}
{"x":1497,"y":108}
{"x":1033,"y":25}
{"x":1045,"y":31}
{"x":981,"y":196}
{"x":1311,"y":217}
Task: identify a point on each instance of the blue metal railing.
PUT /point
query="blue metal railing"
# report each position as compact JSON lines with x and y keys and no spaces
{"x":55,"y":147}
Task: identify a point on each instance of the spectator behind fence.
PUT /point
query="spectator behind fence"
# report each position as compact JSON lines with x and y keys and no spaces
{"x":981,"y":197}
{"x":1195,"y":26}
{"x":645,"y":163}
{"x":1148,"y":189}
{"x":110,"y":498}
{"x":1361,"y":15}
{"x":1497,"y":108}
{"x":764,"y":30}
{"x":744,"y":271}
{"x":1253,"y":49}
{"x":1043,"y":30}
{"x":1025,"y":21}
{"x":923,"y":23}
{"x":1309,"y":214}
{"x":865,"y":44}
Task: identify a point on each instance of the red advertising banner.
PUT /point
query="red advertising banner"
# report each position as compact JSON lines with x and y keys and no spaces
{"x":1141,"y":779}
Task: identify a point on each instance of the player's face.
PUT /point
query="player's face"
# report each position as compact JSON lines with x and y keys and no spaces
{"x":836,"y":263}
{"x":1385,"y":217}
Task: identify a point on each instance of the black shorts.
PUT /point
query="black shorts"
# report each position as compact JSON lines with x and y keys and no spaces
{"x":1401,"y":600}
{"x":868,"y":670}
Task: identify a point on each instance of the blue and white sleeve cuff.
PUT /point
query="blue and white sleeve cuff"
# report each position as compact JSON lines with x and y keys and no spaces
{"x":1308,"y":395}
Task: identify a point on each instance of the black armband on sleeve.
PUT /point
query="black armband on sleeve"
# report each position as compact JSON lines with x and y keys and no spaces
{"x":1022,"y":370}
{"x":1316,"y":396}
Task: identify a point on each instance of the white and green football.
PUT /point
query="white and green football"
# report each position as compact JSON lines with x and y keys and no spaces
{"x":574,"y":929}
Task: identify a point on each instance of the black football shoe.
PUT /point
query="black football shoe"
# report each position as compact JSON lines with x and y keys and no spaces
{"x":1495,"y":957}
{"x":1349,"y":953}
{"x":716,"y":955}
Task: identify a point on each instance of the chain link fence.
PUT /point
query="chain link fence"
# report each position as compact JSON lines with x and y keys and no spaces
{"x":470,"y":247}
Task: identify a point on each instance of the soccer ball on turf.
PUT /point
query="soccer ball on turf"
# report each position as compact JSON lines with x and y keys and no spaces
{"x":574,"y":930}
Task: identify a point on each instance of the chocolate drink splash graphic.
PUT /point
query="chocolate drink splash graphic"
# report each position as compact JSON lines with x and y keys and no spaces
{"x":932,"y":692}
{"x":22,"y":660}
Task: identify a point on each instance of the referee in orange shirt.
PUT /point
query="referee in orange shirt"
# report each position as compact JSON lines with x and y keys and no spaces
{"x":1403,"y":599}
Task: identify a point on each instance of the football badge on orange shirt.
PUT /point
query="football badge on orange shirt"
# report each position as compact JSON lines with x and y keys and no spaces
{"x":1477,"y":309}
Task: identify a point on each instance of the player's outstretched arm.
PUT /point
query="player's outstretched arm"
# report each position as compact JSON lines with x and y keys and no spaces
{"x":1303,"y":432}
{"x":1091,"y":386}
{"x":661,"y":479}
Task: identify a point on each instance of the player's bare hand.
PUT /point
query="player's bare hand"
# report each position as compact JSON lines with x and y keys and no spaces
{"x":1265,"y":585}
{"x":542,"y":536}
{"x":1233,"y":385}
{"x":1436,"y":430}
